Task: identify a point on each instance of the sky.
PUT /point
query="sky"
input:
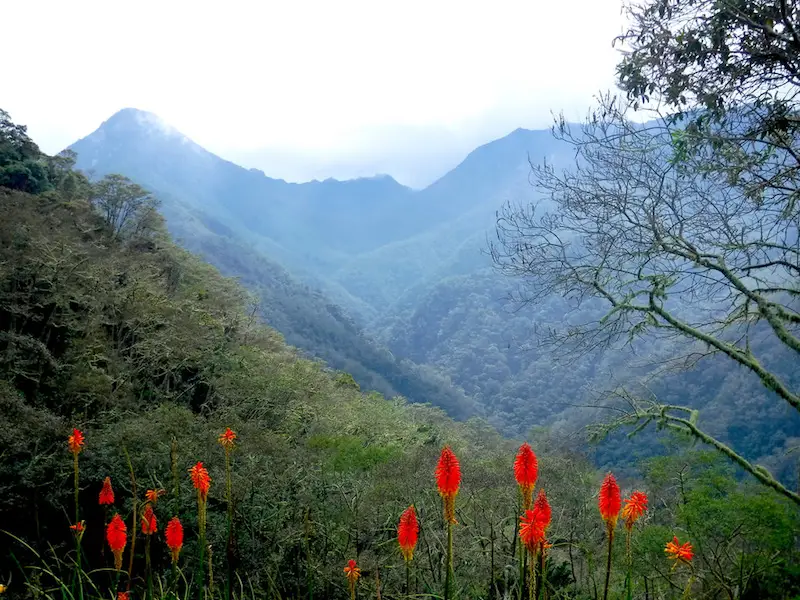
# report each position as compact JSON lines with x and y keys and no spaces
{"x":310,"y":89}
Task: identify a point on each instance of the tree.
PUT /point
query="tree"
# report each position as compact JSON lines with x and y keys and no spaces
{"x":729,"y":70}
{"x":22,"y":165}
{"x":128,"y":209}
{"x":650,"y":244}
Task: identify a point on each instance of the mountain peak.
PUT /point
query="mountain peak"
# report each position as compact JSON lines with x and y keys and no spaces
{"x":136,"y":119}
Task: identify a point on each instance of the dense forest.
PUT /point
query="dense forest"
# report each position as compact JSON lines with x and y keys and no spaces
{"x":150,"y":354}
{"x":218,"y":385}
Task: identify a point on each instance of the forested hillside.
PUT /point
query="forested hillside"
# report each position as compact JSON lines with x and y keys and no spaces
{"x":122,"y":356}
{"x":385,"y":267}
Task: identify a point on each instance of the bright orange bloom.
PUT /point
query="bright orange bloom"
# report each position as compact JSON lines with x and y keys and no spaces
{"x":407,"y":532}
{"x":117,"y":537}
{"x":610,"y":501}
{"x":634,"y":508}
{"x":149,"y":523}
{"x":174,"y":535}
{"x":152,"y":496}
{"x":75,"y":441}
{"x":526,"y":471}
{"x":200,"y":479}
{"x":531,"y":530}
{"x":352,"y":572}
{"x":123,"y":595}
{"x":227,"y":439}
{"x":79,"y":528}
{"x":107,"y":493}
{"x":542,"y":510}
{"x":448,"y":479}
{"x":679,"y":552}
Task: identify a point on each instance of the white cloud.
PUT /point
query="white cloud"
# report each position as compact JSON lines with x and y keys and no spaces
{"x":312,"y":78}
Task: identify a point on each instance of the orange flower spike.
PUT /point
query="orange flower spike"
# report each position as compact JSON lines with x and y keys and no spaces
{"x":610,"y":501}
{"x":352,"y":572}
{"x":75,"y":441}
{"x":200,"y":479}
{"x":635,"y":506}
{"x":149,"y":523}
{"x":526,"y":472}
{"x":152,"y":496}
{"x":117,"y":537}
{"x":123,"y":595}
{"x":227,"y":439}
{"x":407,"y":532}
{"x":542,"y":509}
{"x":448,"y":480}
{"x":174,"y":535}
{"x":531,"y":530}
{"x":679,"y":552}
{"x":106,"y":493}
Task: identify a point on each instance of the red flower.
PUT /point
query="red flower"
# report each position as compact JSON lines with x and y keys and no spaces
{"x":123,"y":595}
{"x":78,"y":529}
{"x":407,"y":532}
{"x":526,"y":471}
{"x":75,"y":441}
{"x":679,"y":552}
{"x":610,"y":501}
{"x":634,"y":508}
{"x":117,"y":537}
{"x":107,"y":493}
{"x":152,"y":496}
{"x":227,"y":439}
{"x":149,"y":523}
{"x":542,"y":510}
{"x":352,"y":572}
{"x":174,"y":535}
{"x":200,"y":479}
{"x":531,"y":531}
{"x":448,"y":479}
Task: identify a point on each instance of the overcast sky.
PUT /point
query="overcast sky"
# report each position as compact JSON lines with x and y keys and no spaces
{"x":304,"y":89}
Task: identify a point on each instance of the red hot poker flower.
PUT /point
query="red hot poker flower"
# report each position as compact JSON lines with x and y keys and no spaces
{"x":107,"y":493}
{"x":531,"y":531}
{"x":448,"y":479}
{"x":542,"y":510}
{"x":227,"y":439}
{"x":634,"y":508}
{"x":407,"y":532}
{"x":679,"y":552}
{"x":117,"y":537}
{"x":75,"y":441}
{"x":526,"y":471}
{"x":123,"y":595}
{"x":149,"y":523}
{"x":200,"y":479}
{"x":152,"y":496}
{"x":174,"y":535}
{"x":352,"y":572}
{"x":610,"y":501}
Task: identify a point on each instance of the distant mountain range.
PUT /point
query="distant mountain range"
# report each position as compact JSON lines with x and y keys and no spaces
{"x":393,"y":284}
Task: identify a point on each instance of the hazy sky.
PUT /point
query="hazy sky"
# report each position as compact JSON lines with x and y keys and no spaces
{"x":306,"y":89}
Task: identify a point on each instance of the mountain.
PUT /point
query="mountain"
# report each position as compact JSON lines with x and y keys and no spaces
{"x":195,"y":187}
{"x":393,"y":284}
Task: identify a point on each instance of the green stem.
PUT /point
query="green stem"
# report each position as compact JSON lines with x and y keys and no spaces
{"x":408,"y":577}
{"x":201,"y":525}
{"x":531,"y":578}
{"x":542,"y":576}
{"x":608,"y":562}
{"x":78,"y":560}
{"x":448,"y":581}
{"x":148,"y":568}
{"x":629,"y":579}
{"x":229,"y":499}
